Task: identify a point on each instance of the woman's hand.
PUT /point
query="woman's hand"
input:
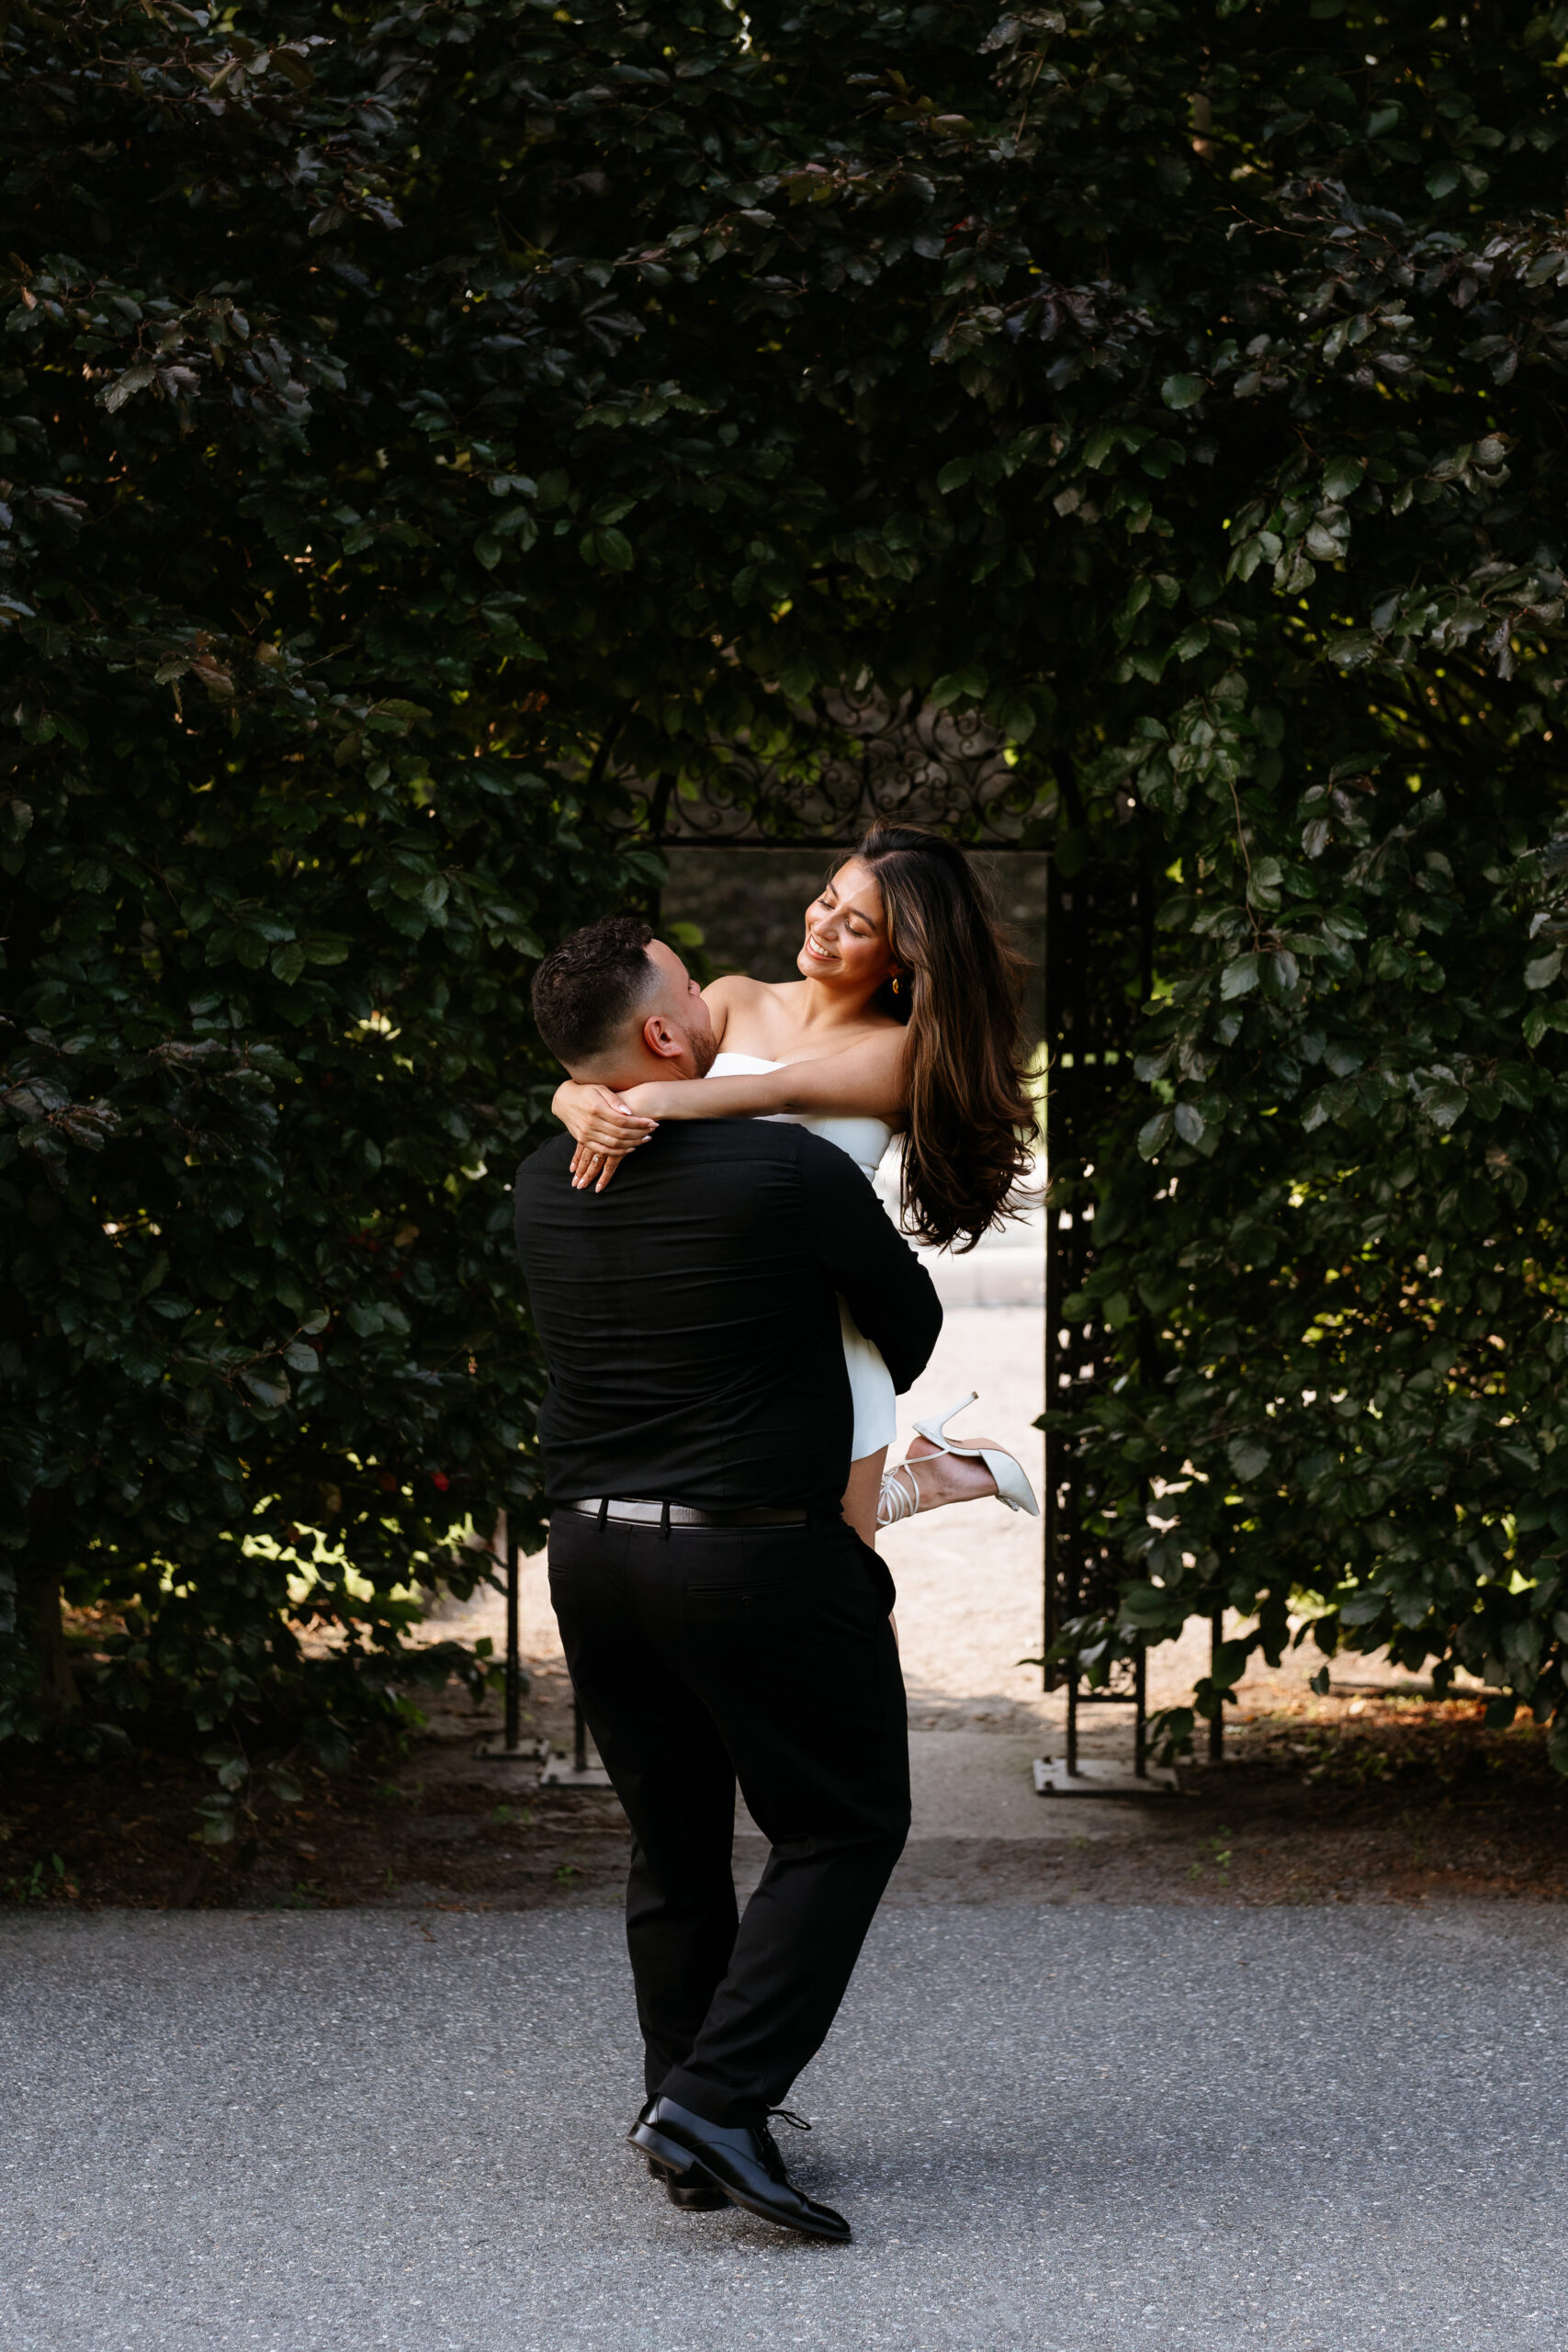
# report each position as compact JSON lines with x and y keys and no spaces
{"x":604,"y":1130}
{"x":604,"y":1142}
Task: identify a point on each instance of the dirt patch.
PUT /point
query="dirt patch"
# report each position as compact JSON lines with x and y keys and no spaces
{"x":1380,"y":1800}
{"x":1401,"y":1802}
{"x":431,"y":1825}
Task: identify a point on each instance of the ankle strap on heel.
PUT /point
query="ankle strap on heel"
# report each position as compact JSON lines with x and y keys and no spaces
{"x":900,"y":1496}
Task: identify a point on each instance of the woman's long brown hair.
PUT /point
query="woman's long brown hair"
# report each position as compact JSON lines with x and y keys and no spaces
{"x":971,"y":1119}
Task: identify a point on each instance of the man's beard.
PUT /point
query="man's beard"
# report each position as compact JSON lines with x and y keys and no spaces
{"x":704,"y":1050}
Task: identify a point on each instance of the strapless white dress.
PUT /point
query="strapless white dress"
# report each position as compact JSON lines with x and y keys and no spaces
{"x":870,"y":1383}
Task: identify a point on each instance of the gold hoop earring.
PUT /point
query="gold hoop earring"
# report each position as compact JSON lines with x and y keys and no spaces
{"x":894,"y":983}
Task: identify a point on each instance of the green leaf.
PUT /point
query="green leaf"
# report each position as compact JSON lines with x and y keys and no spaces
{"x":1248,"y":1458}
{"x":1444,"y":1100}
{"x":1543,"y":1018}
{"x":1182,"y":391}
{"x":1014,"y":717}
{"x":1155,"y":1134}
{"x":1132,"y":604}
{"x":1264,"y":882}
{"x":134,"y":379}
{"x":1239,"y":976}
{"x":292,"y":67}
{"x":1189,"y":1121}
{"x":1341,"y":475}
{"x":610,"y":549}
{"x":229,"y":1763}
{"x":141,"y":1359}
{"x":959,"y":685}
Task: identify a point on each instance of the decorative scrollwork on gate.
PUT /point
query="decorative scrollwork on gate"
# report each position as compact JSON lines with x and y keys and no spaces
{"x":851,"y":760}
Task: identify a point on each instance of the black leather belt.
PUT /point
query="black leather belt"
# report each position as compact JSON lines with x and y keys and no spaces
{"x":646,"y":1514}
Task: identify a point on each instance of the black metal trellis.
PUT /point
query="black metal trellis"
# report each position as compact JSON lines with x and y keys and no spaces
{"x":857,"y":759}
{"x":511,"y":1748}
{"x":1097,"y":947}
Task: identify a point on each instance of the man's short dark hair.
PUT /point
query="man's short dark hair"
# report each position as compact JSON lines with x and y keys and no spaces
{"x":586,"y":992}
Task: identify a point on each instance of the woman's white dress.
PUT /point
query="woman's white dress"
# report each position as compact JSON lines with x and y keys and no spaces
{"x":871,"y":1383}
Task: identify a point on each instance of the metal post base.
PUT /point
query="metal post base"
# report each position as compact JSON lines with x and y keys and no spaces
{"x":560,"y":1772}
{"x":1052,"y":1778}
{"x":576,"y":1772}
{"x":524,"y":1751}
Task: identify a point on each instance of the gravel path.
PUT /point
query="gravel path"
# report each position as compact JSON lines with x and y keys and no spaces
{"x":1054,"y":2130}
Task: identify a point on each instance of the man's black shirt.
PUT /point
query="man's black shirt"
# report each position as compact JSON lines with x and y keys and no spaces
{"x":689,"y":1314}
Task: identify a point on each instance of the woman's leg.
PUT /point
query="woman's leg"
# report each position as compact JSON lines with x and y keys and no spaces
{"x":861,"y":1497}
{"x":947,"y":1478}
{"x":861,"y":1494}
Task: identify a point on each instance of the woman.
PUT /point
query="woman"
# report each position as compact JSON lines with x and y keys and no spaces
{"x":904,"y":1021}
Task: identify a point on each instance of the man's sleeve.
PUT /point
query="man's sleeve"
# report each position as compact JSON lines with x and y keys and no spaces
{"x":889,"y":1293}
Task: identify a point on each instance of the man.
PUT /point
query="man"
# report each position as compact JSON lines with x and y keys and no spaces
{"x":720,"y":1619}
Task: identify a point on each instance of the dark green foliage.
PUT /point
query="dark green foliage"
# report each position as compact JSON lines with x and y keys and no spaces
{"x":1340,"y":712}
{"x":282,"y":849}
{"x":532,"y":397}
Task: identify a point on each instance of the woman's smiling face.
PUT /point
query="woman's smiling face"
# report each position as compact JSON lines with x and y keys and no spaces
{"x":846,"y":932}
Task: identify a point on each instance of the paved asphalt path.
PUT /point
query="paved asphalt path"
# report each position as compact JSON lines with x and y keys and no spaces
{"x":1073,"y":2129}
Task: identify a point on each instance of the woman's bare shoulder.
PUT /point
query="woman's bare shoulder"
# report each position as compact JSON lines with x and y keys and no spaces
{"x":735,"y":988}
{"x":727,"y":997}
{"x":752,"y":1016}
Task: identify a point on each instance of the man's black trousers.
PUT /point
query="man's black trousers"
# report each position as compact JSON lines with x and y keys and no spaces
{"x":764,"y":1655}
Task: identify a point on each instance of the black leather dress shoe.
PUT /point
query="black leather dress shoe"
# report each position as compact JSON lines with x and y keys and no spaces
{"x":739,"y":2159}
{"x":692,"y":2196}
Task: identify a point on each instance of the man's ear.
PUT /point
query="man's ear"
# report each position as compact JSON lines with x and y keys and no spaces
{"x":662,"y":1039}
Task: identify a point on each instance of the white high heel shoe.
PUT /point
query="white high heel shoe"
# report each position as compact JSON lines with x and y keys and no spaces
{"x":898,"y":1501}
